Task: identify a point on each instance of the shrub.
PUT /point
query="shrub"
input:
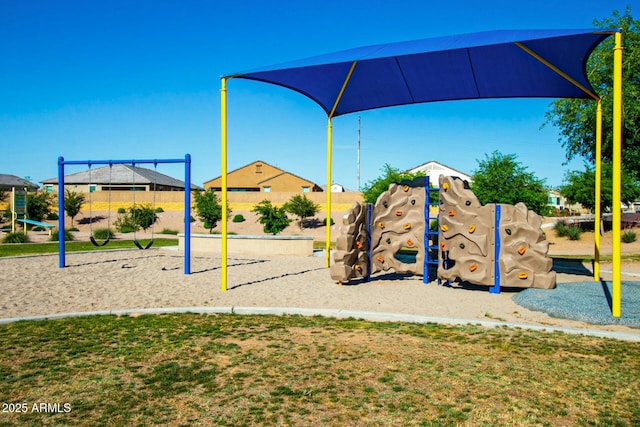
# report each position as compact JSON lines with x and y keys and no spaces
{"x":238,"y":218}
{"x":52,"y":216}
{"x":67,"y":235}
{"x":324,"y":221}
{"x":574,"y":232}
{"x":16,"y":237}
{"x":159,"y":209}
{"x":629,"y":236}
{"x":73,"y":229}
{"x":122,"y":210}
{"x":38,"y":228}
{"x":273,"y":219}
{"x":169,"y":231}
{"x":561,"y":228}
{"x":102,"y":233}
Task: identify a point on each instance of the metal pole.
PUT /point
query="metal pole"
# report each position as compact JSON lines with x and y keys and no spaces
{"x":187,"y":214}
{"x":61,"y":246}
{"x":617,"y":173}
{"x":329,"y":160}
{"x":223,"y":172}
{"x":598,"y":172}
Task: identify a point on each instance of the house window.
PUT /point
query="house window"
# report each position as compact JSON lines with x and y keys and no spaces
{"x":258,"y":168}
{"x":48,"y":188}
{"x":267,"y":189}
{"x":305,"y":189}
{"x":92,"y":188}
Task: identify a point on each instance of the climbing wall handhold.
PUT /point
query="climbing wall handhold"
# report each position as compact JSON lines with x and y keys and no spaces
{"x":409,"y":242}
{"x":357,"y":267}
{"x":472,"y":228}
{"x":452,"y":213}
{"x":385,"y":204}
{"x":388,"y":240}
{"x":468,"y":203}
{"x":398,"y":213}
{"x":508,"y":231}
{"x":522,"y":249}
{"x":444,"y":227}
{"x":523,"y":275}
{"x":381,"y":225}
{"x":380,"y":259}
{"x":359,"y":245}
{"x":473,"y":267}
{"x":442,"y":245}
{"x":445,"y":186}
{"x":461,"y":245}
{"x":407,"y":227}
{"x":405,"y":188}
{"x":413,"y":202}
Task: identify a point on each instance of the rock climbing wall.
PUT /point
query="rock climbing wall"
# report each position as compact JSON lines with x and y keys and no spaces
{"x":397,"y":223}
{"x":468,"y":244}
{"x":467,"y":241}
{"x":350,"y":256}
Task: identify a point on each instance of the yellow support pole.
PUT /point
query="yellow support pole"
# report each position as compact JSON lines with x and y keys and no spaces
{"x":617,"y":173}
{"x":223,"y":173}
{"x":598,"y":213}
{"x":329,"y":162}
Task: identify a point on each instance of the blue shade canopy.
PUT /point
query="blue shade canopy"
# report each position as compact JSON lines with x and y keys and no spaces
{"x":494,"y":64}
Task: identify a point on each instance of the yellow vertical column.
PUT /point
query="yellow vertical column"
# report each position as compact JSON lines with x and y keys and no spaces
{"x":617,"y":173}
{"x":223,"y":174}
{"x":598,"y":213}
{"x":329,"y":166}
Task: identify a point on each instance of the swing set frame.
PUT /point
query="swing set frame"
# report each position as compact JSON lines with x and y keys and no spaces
{"x":187,"y":199}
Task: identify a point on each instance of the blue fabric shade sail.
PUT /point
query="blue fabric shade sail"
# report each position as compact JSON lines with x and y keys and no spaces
{"x":495,"y":64}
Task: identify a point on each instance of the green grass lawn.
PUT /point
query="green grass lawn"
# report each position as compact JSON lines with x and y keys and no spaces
{"x":17,"y":249}
{"x":231,"y":370}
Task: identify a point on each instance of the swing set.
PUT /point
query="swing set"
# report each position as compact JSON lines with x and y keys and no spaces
{"x":187,"y":203}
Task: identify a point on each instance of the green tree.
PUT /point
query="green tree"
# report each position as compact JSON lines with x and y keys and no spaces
{"x":501,"y":178}
{"x":579,"y":187}
{"x":208,"y":208}
{"x":73,"y":203}
{"x":273,"y":219}
{"x":3,"y":195}
{"x":301,"y":207}
{"x":373,"y":189}
{"x":39,"y":205}
{"x":576,"y":118}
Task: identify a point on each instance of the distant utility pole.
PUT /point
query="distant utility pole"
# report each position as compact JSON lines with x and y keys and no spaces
{"x":358,"y":189}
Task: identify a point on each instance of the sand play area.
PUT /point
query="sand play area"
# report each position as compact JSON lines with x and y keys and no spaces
{"x":154,"y":279}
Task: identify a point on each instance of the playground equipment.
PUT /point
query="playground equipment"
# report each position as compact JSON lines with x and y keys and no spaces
{"x":492,"y":245}
{"x":91,"y":236}
{"x":187,"y":199}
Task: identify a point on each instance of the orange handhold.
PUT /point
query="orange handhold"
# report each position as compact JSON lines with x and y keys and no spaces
{"x":398,"y":213}
{"x":381,"y":225}
{"x":359,"y":245}
{"x":523,"y":275}
{"x":405,"y":188}
{"x":380,"y":259}
{"x":442,"y":245}
{"x":407,"y":226}
{"x":472,"y":228}
{"x":444,"y":227}
{"x":473,"y":267}
{"x":410,"y":242}
{"x":445,"y":186}
{"x":522,"y":249}
{"x":452,"y":213}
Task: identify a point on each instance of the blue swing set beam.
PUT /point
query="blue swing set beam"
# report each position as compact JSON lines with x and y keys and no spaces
{"x":187,"y":199}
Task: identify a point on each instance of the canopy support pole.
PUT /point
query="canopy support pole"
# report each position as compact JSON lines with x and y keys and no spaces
{"x":223,"y":172}
{"x":328,"y":218}
{"x":617,"y":173}
{"x":598,"y":213}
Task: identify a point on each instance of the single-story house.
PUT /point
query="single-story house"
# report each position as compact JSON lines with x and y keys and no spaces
{"x":260,"y":176}
{"x":434,"y":169}
{"x":117,"y":177}
{"x":9,"y":182}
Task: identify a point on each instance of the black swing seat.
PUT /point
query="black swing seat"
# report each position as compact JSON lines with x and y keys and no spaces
{"x":95,"y":243}
{"x":139,"y":245}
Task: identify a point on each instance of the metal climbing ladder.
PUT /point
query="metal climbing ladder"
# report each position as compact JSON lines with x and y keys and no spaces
{"x":431,"y":256}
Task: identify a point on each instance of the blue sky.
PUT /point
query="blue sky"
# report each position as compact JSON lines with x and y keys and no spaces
{"x":141,"y":80}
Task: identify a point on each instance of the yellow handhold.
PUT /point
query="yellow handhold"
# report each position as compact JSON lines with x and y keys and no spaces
{"x":407,"y":226}
{"x":405,"y":188}
{"x":444,"y":227}
{"x":522,"y":249}
{"x":398,"y":213}
{"x":473,"y":267}
{"x":445,"y":186}
{"x":472,"y":228}
{"x":357,"y":267}
{"x":381,"y":225}
{"x":523,"y":275}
